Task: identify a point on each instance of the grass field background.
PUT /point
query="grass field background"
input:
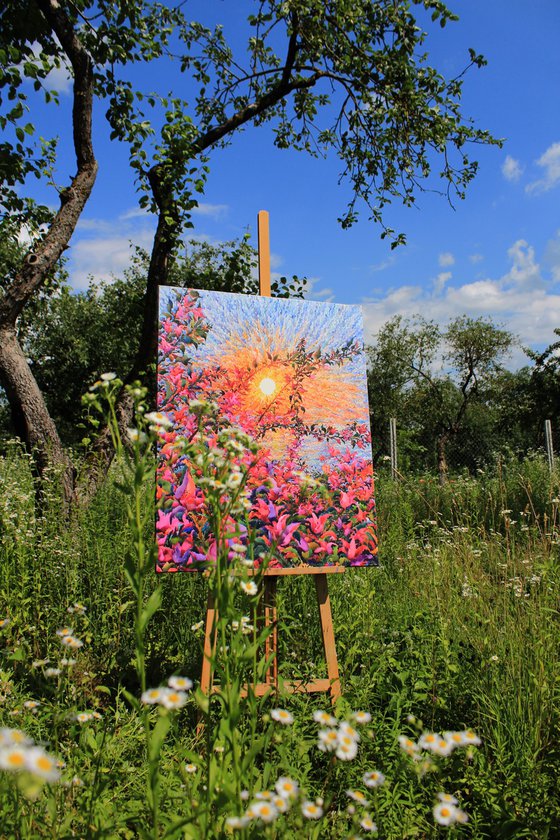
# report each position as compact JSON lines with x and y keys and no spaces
{"x":458,"y":628}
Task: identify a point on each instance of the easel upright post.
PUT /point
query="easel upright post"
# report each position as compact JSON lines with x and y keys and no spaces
{"x":264,"y":253}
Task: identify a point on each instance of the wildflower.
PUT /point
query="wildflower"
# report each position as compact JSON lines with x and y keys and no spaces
{"x":77,"y":608}
{"x":362,"y":717}
{"x":16,"y":737}
{"x":286,"y":787}
{"x":38,"y":663}
{"x":349,"y":730}
{"x":408,"y":746}
{"x":357,"y":796}
{"x":67,"y":662}
{"x":191,"y":768}
{"x":328,"y":740}
{"x":13,"y":758}
{"x":373,"y":779}
{"x":455,"y":738}
{"x":237,"y":822}
{"x":134,"y":435}
{"x":311,"y":811}
{"x":324,"y":718}
{"x":31,"y":705}
{"x":265,"y":795}
{"x":198,"y":626}
{"x":347,"y":747}
{"x":158,"y":420}
{"x":442,"y":746}
{"x":152,"y":696}
{"x":71,"y":642}
{"x":108,"y":377}
{"x":469,"y":738}
{"x":4,"y":622}
{"x":263,"y":810}
{"x":447,"y":798}
{"x":367,"y":823}
{"x":281,"y":803}
{"x":249,"y":587}
{"x":180,"y":683}
{"x":238,"y":548}
{"x":84,"y":717}
{"x":445,"y":813}
{"x":173,"y":699}
{"x":428,"y":740}
{"x":282,"y":716}
{"x":41,"y":764}
{"x":53,"y":672}
{"x":64,"y":631}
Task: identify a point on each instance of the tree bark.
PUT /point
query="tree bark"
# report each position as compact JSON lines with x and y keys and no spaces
{"x":27,"y":403}
{"x":442,"y":458}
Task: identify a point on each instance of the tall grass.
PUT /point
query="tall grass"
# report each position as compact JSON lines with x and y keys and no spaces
{"x":458,"y":628}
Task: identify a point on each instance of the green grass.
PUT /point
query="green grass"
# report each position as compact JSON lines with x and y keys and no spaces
{"x":458,"y":628}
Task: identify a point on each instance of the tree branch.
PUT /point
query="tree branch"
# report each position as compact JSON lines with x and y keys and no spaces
{"x":42,"y":260}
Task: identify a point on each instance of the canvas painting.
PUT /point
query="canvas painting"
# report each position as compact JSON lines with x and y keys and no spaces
{"x":290,"y":376}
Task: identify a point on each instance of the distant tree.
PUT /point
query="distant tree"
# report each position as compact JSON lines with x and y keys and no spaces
{"x":347,"y":76}
{"x":438,"y":375}
{"x":545,"y":382}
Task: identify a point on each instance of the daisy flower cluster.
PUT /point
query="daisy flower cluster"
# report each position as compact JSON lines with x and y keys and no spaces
{"x":268,"y":805}
{"x":342,"y":738}
{"x":356,"y":796}
{"x":437,"y":744}
{"x":18,"y":754}
{"x":68,"y":639}
{"x":447,"y":812}
{"x":172,"y":696}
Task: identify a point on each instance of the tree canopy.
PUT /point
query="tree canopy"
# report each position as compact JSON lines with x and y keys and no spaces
{"x":348,"y":77}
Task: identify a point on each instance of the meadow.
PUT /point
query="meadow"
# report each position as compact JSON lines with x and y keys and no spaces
{"x":454,"y":636}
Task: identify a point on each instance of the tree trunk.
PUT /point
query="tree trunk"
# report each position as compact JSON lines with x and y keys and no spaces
{"x":34,"y":421}
{"x":442,"y":458}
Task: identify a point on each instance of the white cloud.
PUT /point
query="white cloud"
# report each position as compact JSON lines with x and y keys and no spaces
{"x":446,"y":259}
{"x":476,"y":258}
{"x":441,"y":280}
{"x":512,"y":169}
{"x":524,"y":300}
{"x":550,"y":162}
{"x":103,"y":248}
{"x":382,"y":265}
{"x":214,"y":211}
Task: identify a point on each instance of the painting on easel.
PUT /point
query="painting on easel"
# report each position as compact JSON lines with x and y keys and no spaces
{"x":291,"y":375}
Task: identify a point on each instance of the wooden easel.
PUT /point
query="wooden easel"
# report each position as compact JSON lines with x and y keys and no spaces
{"x":268,"y":610}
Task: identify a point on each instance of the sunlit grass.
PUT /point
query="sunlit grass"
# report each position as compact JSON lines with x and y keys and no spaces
{"x":458,"y":629}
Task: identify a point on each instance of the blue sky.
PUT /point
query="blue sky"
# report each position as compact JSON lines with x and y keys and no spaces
{"x":496,"y":254}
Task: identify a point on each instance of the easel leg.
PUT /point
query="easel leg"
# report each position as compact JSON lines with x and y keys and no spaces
{"x":269,"y":618}
{"x":327,"y":631}
{"x":209,"y":643}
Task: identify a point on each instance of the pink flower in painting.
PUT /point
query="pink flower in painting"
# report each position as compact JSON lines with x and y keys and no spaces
{"x":347,"y":499}
{"x":317,"y":523}
{"x":280,"y":532}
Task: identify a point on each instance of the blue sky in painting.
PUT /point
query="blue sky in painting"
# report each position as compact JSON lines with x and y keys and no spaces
{"x":496,"y":254}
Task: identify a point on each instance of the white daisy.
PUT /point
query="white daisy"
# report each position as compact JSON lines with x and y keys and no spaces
{"x":282,"y":716}
{"x":373,"y":779}
{"x":311,"y":811}
{"x":180,"y":683}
